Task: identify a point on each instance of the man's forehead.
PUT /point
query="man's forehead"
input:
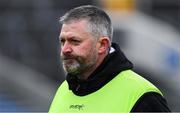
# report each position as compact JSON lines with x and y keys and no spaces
{"x":82,"y":24}
{"x":64,"y":34}
{"x":74,"y":28}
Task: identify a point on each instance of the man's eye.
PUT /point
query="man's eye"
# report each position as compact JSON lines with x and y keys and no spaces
{"x":62,"y":42}
{"x":76,"y":42}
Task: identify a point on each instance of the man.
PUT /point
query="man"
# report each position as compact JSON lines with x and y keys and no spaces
{"x":99,"y":76}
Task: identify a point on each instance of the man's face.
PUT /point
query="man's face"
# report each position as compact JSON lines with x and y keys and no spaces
{"x":78,"y":48}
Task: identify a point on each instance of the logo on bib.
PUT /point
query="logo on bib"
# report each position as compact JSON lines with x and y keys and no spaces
{"x":79,"y":107}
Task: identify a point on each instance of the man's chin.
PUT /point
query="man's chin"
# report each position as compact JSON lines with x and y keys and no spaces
{"x":71,"y":69}
{"x":72,"y":72}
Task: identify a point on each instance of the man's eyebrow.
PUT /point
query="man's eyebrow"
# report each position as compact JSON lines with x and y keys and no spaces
{"x":73,"y":37}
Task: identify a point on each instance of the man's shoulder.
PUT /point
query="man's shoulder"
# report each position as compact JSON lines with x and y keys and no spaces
{"x":137,"y":82}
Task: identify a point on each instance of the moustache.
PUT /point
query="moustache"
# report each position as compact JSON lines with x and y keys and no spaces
{"x":63,"y":57}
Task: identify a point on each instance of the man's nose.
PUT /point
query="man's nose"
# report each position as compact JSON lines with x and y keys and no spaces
{"x":66,"y":48}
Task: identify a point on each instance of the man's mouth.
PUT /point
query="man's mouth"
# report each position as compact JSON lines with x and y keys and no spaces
{"x":68,"y":57}
{"x":69,"y":60}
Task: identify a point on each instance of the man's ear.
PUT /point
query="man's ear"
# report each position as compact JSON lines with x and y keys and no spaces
{"x":104,"y":45}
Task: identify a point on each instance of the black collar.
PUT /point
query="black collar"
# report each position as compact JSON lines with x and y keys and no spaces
{"x":112,"y":65}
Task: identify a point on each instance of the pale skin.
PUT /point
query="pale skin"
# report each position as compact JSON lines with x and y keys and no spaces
{"x":81,"y":52}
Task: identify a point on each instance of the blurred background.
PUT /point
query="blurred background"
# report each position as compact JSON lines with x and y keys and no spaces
{"x":148,"y":31}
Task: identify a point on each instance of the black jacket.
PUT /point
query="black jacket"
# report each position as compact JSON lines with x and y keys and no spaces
{"x":112,"y":65}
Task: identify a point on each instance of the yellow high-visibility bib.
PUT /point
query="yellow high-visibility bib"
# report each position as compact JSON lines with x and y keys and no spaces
{"x":118,"y":95}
